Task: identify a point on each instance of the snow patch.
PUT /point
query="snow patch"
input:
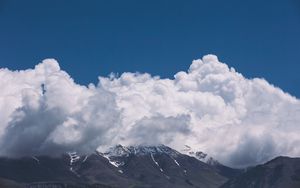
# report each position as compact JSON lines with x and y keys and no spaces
{"x":73,"y":157}
{"x":201,"y":156}
{"x":85,"y":158}
{"x":36,"y":159}
{"x":125,"y":151}
{"x":117,"y":164}
{"x":176,"y":162}
{"x":156,"y":162}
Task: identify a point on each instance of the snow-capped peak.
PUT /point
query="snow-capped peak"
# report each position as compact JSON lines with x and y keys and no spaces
{"x":125,"y":151}
{"x":115,"y":154}
{"x":117,"y":150}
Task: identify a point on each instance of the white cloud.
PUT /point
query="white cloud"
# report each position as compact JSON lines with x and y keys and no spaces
{"x":210,"y":107}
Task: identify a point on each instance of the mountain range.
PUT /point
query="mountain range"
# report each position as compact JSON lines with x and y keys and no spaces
{"x":144,"y":167}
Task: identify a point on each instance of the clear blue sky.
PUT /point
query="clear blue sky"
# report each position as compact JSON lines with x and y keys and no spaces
{"x":91,"y":38}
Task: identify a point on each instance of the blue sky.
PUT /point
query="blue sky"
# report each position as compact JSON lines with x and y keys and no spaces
{"x":92,"y":38}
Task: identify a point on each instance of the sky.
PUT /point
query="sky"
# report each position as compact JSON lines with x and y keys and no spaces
{"x":92,"y":38}
{"x":241,"y":105}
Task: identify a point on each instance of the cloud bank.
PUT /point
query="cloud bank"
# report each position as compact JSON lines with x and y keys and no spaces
{"x":211,"y":107}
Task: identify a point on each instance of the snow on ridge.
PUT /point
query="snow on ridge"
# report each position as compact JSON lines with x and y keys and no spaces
{"x":73,"y":157}
{"x":125,"y":151}
{"x":111,"y":154}
{"x":112,"y":162}
{"x":201,"y":156}
{"x":115,"y":154}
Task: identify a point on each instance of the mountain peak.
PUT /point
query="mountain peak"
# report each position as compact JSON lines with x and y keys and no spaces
{"x":125,"y":151}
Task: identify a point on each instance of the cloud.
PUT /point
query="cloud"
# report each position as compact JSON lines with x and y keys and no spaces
{"x":45,"y":112}
{"x":211,"y":107}
{"x":159,"y":129}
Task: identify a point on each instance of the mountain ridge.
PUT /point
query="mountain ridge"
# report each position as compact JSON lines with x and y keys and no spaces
{"x":140,"y":166}
{"x":120,"y":166}
{"x":282,"y":171}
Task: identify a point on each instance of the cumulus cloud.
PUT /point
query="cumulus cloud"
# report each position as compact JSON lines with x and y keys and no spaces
{"x":210,"y":107}
{"x":159,"y":129}
{"x":45,"y":112}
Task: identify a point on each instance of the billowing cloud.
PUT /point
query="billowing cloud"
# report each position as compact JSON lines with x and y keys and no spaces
{"x":211,"y":107}
{"x":45,"y":112}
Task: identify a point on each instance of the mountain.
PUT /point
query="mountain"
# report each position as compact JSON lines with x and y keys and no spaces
{"x":281,"y":172}
{"x":161,"y":166}
{"x":143,"y":167}
{"x":70,"y":169}
{"x":119,"y":166}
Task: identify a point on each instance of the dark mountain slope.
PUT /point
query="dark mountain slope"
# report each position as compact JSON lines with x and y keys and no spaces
{"x":5,"y":183}
{"x":281,"y":172}
{"x":142,"y":166}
